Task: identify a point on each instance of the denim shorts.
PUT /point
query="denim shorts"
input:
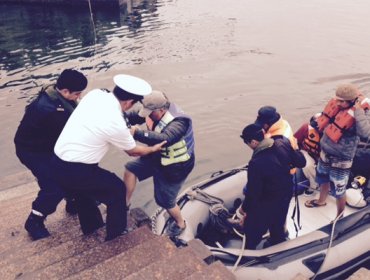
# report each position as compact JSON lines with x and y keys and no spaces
{"x":333,"y":170}
{"x":167,"y":183}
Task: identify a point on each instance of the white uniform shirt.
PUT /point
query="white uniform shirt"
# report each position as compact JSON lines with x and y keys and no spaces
{"x":96,"y":123}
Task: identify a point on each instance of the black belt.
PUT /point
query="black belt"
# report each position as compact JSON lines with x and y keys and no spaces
{"x":363,"y":146}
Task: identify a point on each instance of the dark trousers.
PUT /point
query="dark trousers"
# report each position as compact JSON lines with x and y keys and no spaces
{"x":50,"y":193}
{"x":89,"y":183}
{"x":269,"y":217}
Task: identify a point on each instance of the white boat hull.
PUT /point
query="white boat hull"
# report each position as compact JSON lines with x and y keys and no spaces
{"x":302,"y":255}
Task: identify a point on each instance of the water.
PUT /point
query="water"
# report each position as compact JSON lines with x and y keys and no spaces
{"x":220,"y":60}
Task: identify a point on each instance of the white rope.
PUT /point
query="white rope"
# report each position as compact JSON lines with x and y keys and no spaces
{"x":241,"y":250}
{"x":330,"y":243}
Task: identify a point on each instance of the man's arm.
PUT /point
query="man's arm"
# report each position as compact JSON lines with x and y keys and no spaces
{"x":145,"y":150}
{"x":133,"y":116}
{"x":173,"y":132}
{"x":287,"y":155}
{"x":254,"y":189}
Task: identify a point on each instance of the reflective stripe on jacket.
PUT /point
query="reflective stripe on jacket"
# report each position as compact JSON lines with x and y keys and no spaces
{"x":182,"y":150}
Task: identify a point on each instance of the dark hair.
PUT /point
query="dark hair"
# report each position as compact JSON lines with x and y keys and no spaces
{"x":252,"y":132}
{"x":71,"y":80}
{"x":125,"y":95}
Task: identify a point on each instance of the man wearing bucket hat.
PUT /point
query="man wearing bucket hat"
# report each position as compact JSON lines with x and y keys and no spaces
{"x":170,"y":167}
{"x":337,"y":152}
{"x":35,"y":138}
{"x":96,"y":124}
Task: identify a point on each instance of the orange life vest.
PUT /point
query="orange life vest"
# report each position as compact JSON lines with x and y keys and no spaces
{"x":344,"y":120}
{"x":330,"y":110}
{"x":312,"y":142}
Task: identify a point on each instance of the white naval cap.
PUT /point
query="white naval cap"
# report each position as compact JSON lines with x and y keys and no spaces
{"x":133,"y":85}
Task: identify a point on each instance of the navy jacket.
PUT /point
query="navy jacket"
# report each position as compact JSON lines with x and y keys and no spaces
{"x":269,"y":178}
{"x":42,"y":123}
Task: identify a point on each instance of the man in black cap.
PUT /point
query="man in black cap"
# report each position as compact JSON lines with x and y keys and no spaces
{"x":35,"y":138}
{"x":269,"y":188}
{"x":274,"y":125}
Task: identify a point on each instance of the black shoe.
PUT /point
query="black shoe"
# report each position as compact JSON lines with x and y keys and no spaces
{"x":124,"y":232}
{"x":35,"y":227}
{"x":71,"y":207}
{"x":308,"y":192}
{"x":88,"y":231}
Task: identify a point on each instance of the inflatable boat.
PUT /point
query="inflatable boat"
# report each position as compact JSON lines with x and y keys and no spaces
{"x":317,"y":247}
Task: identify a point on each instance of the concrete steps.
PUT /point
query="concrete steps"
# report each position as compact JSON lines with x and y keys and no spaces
{"x":68,"y":254}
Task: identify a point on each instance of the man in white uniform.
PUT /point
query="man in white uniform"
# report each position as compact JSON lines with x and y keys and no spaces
{"x":97,"y":123}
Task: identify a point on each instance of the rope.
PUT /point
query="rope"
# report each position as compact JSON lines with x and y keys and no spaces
{"x":241,"y":250}
{"x":330,"y":243}
{"x":204,"y":197}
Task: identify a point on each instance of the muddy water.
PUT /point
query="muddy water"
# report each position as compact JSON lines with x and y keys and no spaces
{"x":220,"y":60}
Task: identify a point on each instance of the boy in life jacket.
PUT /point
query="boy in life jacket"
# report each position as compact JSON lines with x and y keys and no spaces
{"x":170,"y":167}
{"x":339,"y":124}
{"x":308,"y":138}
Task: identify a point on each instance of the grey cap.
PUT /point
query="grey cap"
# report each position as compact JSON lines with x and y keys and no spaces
{"x":154,"y":101}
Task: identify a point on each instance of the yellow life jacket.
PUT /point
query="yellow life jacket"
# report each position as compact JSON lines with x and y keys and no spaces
{"x":177,"y":152}
{"x":282,"y":128}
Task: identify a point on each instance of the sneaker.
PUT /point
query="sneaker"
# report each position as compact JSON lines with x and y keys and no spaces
{"x":35,"y":227}
{"x":71,"y":207}
{"x":308,"y":192}
{"x":174,"y":230}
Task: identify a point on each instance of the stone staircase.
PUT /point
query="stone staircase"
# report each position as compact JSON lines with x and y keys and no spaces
{"x":67,"y":254}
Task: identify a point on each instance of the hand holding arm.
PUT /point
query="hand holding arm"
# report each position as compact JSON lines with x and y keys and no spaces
{"x":144,"y":150}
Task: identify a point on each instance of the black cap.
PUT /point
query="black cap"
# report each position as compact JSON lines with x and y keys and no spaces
{"x":72,"y":80}
{"x":267,"y":115}
{"x":252,"y":131}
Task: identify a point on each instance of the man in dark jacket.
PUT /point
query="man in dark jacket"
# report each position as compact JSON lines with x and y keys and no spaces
{"x":169,"y":168}
{"x":269,"y":188}
{"x":35,"y":138}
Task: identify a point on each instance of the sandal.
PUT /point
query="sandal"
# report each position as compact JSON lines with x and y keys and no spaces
{"x":313,"y":203}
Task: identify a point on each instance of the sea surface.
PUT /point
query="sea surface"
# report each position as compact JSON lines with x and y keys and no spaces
{"x":219,"y":60}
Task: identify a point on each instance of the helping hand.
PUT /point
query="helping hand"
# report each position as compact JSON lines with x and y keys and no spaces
{"x":158,"y":147}
{"x":133,"y":128}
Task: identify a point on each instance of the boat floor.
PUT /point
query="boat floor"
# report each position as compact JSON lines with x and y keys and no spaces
{"x":311,"y":219}
{"x":316,"y":217}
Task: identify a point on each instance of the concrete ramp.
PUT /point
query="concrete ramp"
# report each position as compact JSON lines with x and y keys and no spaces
{"x":68,"y":254}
